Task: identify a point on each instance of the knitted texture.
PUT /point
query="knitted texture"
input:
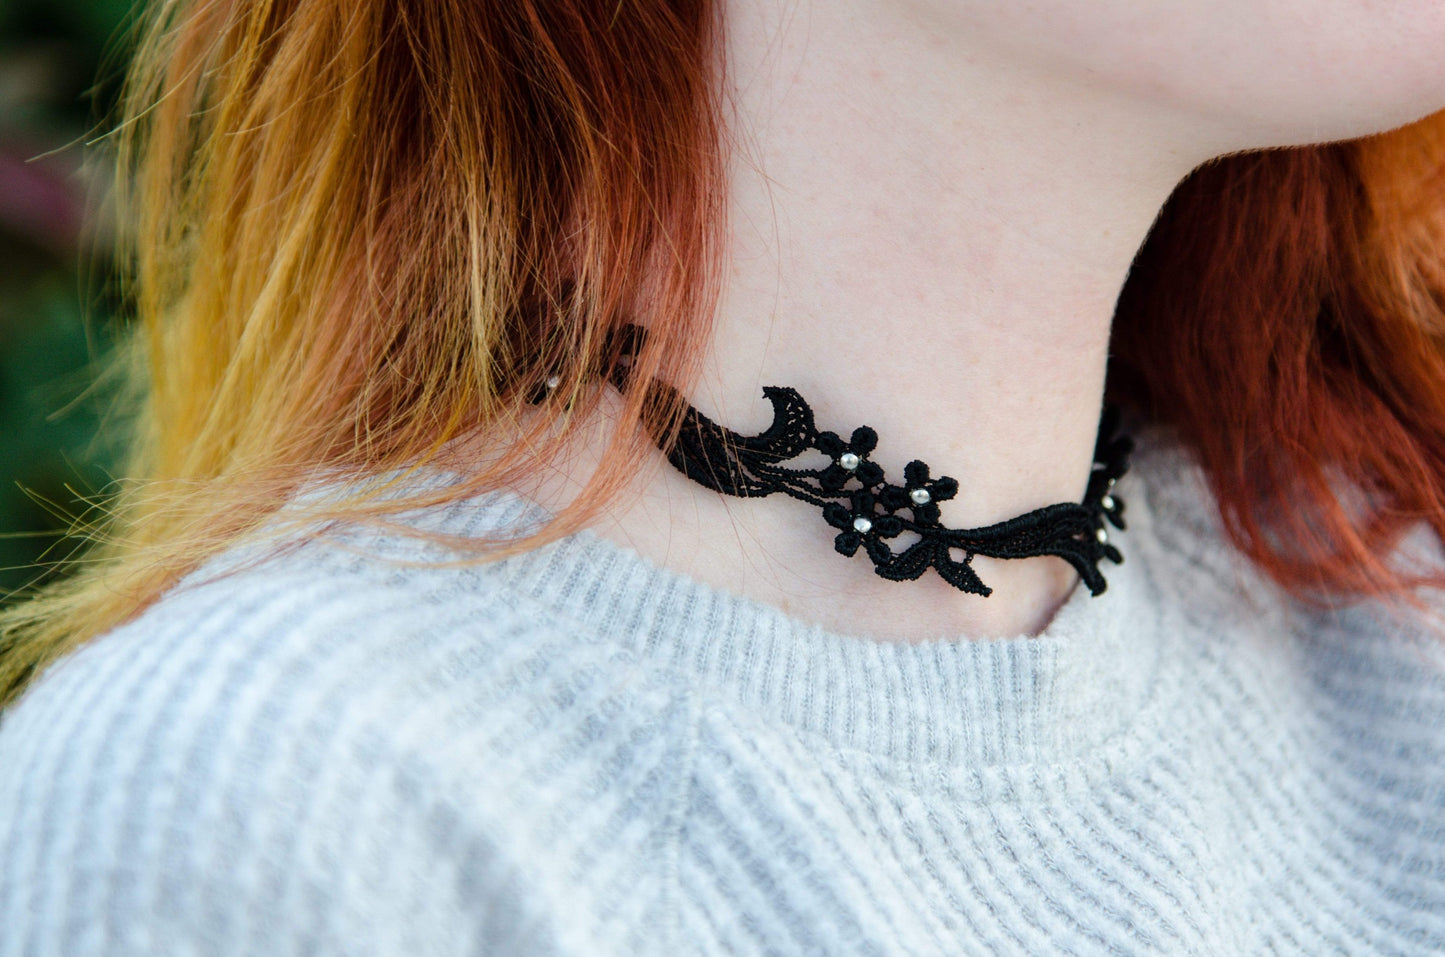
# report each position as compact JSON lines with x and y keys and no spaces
{"x":336,"y":750}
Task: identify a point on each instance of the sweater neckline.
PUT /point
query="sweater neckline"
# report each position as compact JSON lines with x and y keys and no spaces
{"x":978,"y":702}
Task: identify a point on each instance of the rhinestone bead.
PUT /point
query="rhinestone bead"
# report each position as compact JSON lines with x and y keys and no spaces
{"x":1102,"y":536}
{"x":862,"y":525}
{"x":920,"y":496}
{"x":1107,"y":501}
{"x":848,"y":460}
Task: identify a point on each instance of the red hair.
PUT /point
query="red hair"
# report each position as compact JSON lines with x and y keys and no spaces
{"x":1284,"y":316}
{"x":361,"y":229}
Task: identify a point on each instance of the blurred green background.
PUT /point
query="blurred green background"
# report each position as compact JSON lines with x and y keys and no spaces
{"x":60,"y":65}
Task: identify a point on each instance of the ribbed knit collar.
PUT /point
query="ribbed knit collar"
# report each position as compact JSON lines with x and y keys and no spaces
{"x":1018,"y":701}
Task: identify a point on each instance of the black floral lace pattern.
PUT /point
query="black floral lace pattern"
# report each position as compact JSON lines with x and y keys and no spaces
{"x":869,"y":513}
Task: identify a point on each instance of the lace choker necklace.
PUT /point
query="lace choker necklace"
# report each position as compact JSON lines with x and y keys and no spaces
{"x":878,"y":517}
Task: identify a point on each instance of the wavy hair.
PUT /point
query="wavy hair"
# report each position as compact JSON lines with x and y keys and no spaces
{"x":358,"y":230}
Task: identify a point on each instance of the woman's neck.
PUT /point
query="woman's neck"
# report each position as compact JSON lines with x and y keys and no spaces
{"x":928,"y":239}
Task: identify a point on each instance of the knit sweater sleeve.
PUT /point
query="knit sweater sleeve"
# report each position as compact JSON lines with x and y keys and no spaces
{"x":201,"y":782}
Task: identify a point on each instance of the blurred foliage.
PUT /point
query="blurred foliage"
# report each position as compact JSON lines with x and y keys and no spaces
{"x":60,"y":63}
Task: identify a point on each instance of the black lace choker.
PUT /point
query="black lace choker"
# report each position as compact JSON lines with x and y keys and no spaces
{"x":872,"y":514}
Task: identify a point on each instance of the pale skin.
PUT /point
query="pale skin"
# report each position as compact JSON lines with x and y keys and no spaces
{"x":934,"y":205}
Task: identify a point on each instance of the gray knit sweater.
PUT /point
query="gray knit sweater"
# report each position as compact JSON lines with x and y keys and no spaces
{"x":334,"y":752}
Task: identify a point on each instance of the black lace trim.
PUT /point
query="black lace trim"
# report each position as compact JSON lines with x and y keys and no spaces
{"x":868,"y":512}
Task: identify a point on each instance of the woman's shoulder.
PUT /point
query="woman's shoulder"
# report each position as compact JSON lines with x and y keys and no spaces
{"x":371,"y":609}
{"x":1187,"y":545}
{"x":375,"y":625}
{"x":1370,"y":672}
{"x":331,"y":715}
